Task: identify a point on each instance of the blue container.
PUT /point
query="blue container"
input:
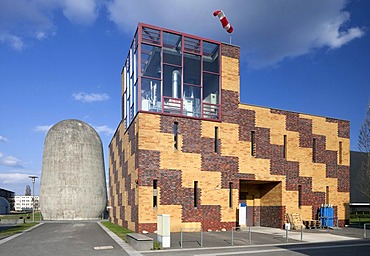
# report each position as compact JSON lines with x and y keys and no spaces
{"x":327,"y":216}
{"x":330,"y":215}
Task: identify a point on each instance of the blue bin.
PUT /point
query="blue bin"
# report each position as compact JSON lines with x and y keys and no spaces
{"x":327,"y":216}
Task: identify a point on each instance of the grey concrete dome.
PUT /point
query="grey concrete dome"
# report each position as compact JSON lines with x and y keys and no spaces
{"x":73,"y":178}
{"x":4,"y":206}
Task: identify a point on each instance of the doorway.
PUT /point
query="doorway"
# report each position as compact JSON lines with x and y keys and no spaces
{"x":263,"y":200}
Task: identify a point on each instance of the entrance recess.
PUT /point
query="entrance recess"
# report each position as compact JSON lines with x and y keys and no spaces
{"x":263,"y":200}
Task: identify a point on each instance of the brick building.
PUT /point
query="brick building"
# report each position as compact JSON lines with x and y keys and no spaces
{"x":187,"y":147}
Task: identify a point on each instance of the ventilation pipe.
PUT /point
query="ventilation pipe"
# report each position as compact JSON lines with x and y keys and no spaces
{"x":153,"y":93}
{"x":176,"y":82}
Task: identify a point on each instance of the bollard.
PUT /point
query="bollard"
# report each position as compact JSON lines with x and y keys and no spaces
{"x":365,"y":229}
{"x":301,"y":233}
{"x":286,"y":235}
{"x":201,"y":238}
{"x":232,"y":236}
{"x":181,"y":238}
{"x":250,"y":235}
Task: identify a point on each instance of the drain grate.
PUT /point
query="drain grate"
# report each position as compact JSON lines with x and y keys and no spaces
{"x":105,"y":247}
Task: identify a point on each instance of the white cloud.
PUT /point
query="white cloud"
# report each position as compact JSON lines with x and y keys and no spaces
{"x":41,"y":35}
{"x":3,"y":139}
{"x":268,"y":31}
{"x":10,"y":161}
{"x":13,"y":41}
{"x":90,"y":97}
{"x":82,"y":12}
{"x":24,"y":20}
{"x":43,"y":128}
{"x":104,"y":129}
{"x":13,"y":178}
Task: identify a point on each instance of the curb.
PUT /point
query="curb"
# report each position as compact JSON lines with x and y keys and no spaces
{"x":125,"y":246}
{"x":7,"y":239}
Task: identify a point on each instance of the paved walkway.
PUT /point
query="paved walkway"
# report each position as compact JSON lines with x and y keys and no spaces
{"x":92,"y":238}
{"x":310,"y":235}
{"x":61,"y":239}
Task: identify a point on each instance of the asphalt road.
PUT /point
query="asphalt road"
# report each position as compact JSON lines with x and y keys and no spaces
{"x":89,"y":238}
{"x":352,"y":247}
{"x":61,"y":239}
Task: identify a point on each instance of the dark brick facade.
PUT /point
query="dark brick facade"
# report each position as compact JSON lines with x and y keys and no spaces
{"x":231,"y":51}
{"x":272,"y":216}
{"x":123,"y":185}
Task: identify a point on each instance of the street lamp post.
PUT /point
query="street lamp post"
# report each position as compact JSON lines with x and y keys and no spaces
{"x":33,"y":178}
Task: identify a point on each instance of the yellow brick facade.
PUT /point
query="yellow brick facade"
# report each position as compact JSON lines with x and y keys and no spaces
{"x":295,"y":167}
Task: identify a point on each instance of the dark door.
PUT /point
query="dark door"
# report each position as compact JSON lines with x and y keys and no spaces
{"x":250,"y":216}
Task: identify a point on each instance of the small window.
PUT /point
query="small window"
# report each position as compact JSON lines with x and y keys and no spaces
{"x":340,"y":153}
{"x":175,"y":135}
{"x":327,"y":195}
{"x":299,"y":196}
{"x":314,"y":150}
{"x":253,"y":143}
{"x":155,"y":193}
{"x":216,"y":140}
{"x":230,"y":194}
{"x":195,"y":194}
{"x":284,"y":147}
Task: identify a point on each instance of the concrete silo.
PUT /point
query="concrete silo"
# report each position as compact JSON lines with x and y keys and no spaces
{"x":73,"y":179}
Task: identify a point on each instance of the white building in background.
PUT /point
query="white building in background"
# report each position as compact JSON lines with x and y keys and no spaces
{"x":24,"y":203}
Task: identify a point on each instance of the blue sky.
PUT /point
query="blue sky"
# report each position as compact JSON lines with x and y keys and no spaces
{"x":62,"y":59}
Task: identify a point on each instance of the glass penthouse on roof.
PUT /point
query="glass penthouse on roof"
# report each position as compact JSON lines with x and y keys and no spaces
{"x":171,"y":73}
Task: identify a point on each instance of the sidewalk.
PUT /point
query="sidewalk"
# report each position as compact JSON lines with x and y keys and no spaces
{"x":260,"y":236}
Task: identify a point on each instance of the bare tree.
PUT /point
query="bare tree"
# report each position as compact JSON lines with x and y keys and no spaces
{"x":364,"y":147}
{"x":28,"y":191}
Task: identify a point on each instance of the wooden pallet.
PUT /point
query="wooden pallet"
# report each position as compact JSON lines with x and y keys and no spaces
{"x":310,"y":224}
{"x":295,"y":221}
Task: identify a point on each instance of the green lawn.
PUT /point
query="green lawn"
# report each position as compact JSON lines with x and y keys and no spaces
{"x":4,"y":232}
{"x":118,"y":230}
{"x":38,"y":216}
{"x":359,"y":220}
{"x":16,"y":229}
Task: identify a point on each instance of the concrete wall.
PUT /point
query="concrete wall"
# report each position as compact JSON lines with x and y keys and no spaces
{"x":73,"y":178}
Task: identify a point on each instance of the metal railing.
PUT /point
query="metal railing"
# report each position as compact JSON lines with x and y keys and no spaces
{"x":244,"y":234}
{"x":287,"y":234}
{"x":365,"y":235}
{"x":325,"y":220}
{"x":188,"y":230}
{"x":238,"y":228}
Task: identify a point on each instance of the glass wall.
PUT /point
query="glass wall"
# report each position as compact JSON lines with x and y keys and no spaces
{"x":173,"y":73}
{"x":130,"y":76}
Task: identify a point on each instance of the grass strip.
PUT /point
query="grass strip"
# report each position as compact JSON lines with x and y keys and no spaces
{"x":118,"y":230}
{"x":16,"y":229}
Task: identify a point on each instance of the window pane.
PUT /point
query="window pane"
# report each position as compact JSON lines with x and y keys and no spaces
{"x":191,"y":69}
{"x":192,"y":45}
{"x":150,"y":61}
{"x":151,"y":95}
{"x":211,"y":57}
{"x":192,"y":101}
{"x":172,"y":41}
{"x":172,"y":49}
{"x":172,"y":81}
{"x":172,"y":57}
{"x":210,"y":88}
{"x":151,"y":35}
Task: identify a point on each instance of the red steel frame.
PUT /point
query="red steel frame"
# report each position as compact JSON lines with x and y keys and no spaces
{"x":138,"y":35}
